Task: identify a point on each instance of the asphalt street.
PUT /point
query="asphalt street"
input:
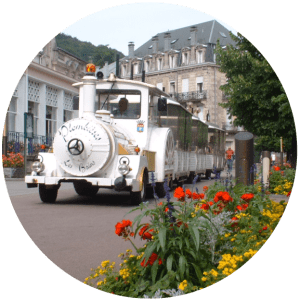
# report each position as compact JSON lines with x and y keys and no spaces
{"x":76,"y":233}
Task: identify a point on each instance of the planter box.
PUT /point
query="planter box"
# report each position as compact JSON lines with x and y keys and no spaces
{"x":14,"y":172}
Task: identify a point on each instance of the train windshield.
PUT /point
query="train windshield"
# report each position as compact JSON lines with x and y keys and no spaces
{"x":123,"y":104}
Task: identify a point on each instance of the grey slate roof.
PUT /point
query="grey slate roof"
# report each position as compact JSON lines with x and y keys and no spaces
{"x":207,"y":32}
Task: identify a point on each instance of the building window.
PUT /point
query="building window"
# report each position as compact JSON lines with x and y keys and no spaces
{"x":185,"y":58}
{"x":147,"y":66}
{"x":12,"y":115}
{"x":135,"y":69}
{"x":199,"y":57}
{"x":159,"y":64}
{"x":51,"y":120}
{"x":33,"y":108}
{"x":68,"y":101}
{"x":200,"y":87}
{"x":172,"y":61}
{"x":123,"y":70}
{"x":172,"y":88}
{"x":67,"y":115}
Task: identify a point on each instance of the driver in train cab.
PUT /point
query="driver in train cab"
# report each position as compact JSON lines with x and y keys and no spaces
{"x":229,"y":158}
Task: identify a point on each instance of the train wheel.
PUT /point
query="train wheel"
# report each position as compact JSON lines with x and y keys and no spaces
{"x":160,"y":190}
{"x":208,"y":174}
{"x":137,"y":198}
{"x":47,"y":195}
{"x":85,"y":189}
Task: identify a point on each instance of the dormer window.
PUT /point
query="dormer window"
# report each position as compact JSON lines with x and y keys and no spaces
{"x":135,"y":69}
{"x":159,"y":64}
{"x":147,"y":66}
{"x":199,"y":56}
{"x":172,"y":61}
{"x":123,"y":70}
{"x":185,"y":58}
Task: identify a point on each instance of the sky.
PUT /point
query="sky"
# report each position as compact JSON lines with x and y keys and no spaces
{"x":136,"y":23}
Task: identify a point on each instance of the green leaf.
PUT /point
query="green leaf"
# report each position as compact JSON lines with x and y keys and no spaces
{"x":195,"y":235}
{"x":182,"y":262}
{"x":162,"y":237}
{"x":149,"y":250}
{"x":198,"y":271}
{"x":154,"y":269}
{"x":169,"y":262}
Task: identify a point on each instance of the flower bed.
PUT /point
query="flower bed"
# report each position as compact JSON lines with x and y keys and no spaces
{"x":193,"y":240}
{"x":281,"y":179}
{"x":13,"y":165}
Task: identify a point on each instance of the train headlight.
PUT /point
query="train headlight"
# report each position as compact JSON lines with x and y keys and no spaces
{"x":37,"y":167}
{"x":124,"y":169}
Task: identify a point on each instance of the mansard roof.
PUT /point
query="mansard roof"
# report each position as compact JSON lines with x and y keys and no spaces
{"x":207,"y":33}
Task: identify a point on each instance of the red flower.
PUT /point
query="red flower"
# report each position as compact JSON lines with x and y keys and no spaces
{"x":265,"y":228}
{"x":289,"y":193}
{"x":204,"y":206}
{"x":151,"y":260}
{"x":222,"y":196}
{"x":179,"y":194}
{"x":166,"y":209}
{"x":205,"y":188}
{"x":247,"y":197}
{"x":244,"y":206}
{"x":122,"y":228}
{"x":239,"y":207}
{"x":144,"y":233}
{"x":276,"y":168}
{"x":188,"y":193}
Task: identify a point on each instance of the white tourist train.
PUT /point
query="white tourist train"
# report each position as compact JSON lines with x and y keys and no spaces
{"x":127,"y":132}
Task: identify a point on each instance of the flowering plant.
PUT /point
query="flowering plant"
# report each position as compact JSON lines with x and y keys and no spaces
{"x":281,"y":180}
{"x":191,"y":240}
{"x":13,"y":160}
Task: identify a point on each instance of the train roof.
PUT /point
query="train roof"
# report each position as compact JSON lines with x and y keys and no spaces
{"x":154,"y":90}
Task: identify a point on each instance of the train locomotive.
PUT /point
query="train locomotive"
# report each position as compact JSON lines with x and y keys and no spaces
{"x":126,"y":134}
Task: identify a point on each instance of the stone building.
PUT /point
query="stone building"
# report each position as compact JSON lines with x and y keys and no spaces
{"x":182,"y":63}
{"x":46,"y":91}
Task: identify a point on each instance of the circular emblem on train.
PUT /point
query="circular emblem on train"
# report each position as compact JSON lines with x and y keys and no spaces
{"x":82,"y":147}
{"x":140,"y":125}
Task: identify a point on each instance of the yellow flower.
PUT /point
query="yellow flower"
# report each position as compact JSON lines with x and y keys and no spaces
{"x":203,"y":278}
{"x":182,"y":285}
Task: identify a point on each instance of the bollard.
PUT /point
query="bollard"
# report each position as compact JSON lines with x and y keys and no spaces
{"x":244,"y":160}
{"x":266,"y":163}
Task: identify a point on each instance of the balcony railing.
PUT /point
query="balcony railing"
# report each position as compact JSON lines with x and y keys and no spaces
{"x":189,"y":96}
{"x":15,"y":142}
{"x":231,"y":128}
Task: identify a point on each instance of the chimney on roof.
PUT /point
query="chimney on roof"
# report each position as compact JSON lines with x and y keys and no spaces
{"x":155,"y":44}
{"x":193,"y":35}
{"x":167,"y":38}
{"x":131,"y":50}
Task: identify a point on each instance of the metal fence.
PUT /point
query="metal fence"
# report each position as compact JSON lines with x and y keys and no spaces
{"x":15,"y":143}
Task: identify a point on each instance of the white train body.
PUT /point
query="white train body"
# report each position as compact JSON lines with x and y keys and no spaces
{"x":122,"y":138}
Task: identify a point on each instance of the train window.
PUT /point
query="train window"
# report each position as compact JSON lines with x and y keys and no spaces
{"x":123,"y":104}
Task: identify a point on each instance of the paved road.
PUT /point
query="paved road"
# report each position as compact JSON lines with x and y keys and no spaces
{"x":76,"y":233}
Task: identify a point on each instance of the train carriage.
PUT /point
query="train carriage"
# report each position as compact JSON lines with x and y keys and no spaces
{"x":127,"y":132}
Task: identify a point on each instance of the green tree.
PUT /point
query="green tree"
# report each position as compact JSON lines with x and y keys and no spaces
{"x":255,"y":94}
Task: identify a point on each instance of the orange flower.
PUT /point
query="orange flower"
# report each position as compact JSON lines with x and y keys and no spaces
{"x":122,"y":228}
{"x":144,"y":233}
{"x":222,"y":196}
{"x":151,"y":260}
{"x":179,"y":194}
{"x":188,"y":193}
{"x":247,"y":197}
{"x":205,"y":188}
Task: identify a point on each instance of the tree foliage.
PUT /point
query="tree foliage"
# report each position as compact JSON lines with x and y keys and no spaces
{"x":86,"y":51}
{"x":255,"y":94}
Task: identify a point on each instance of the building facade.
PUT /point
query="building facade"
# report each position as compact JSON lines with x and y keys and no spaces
{"x":182,"y":63}
{"x":46,"y":91}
